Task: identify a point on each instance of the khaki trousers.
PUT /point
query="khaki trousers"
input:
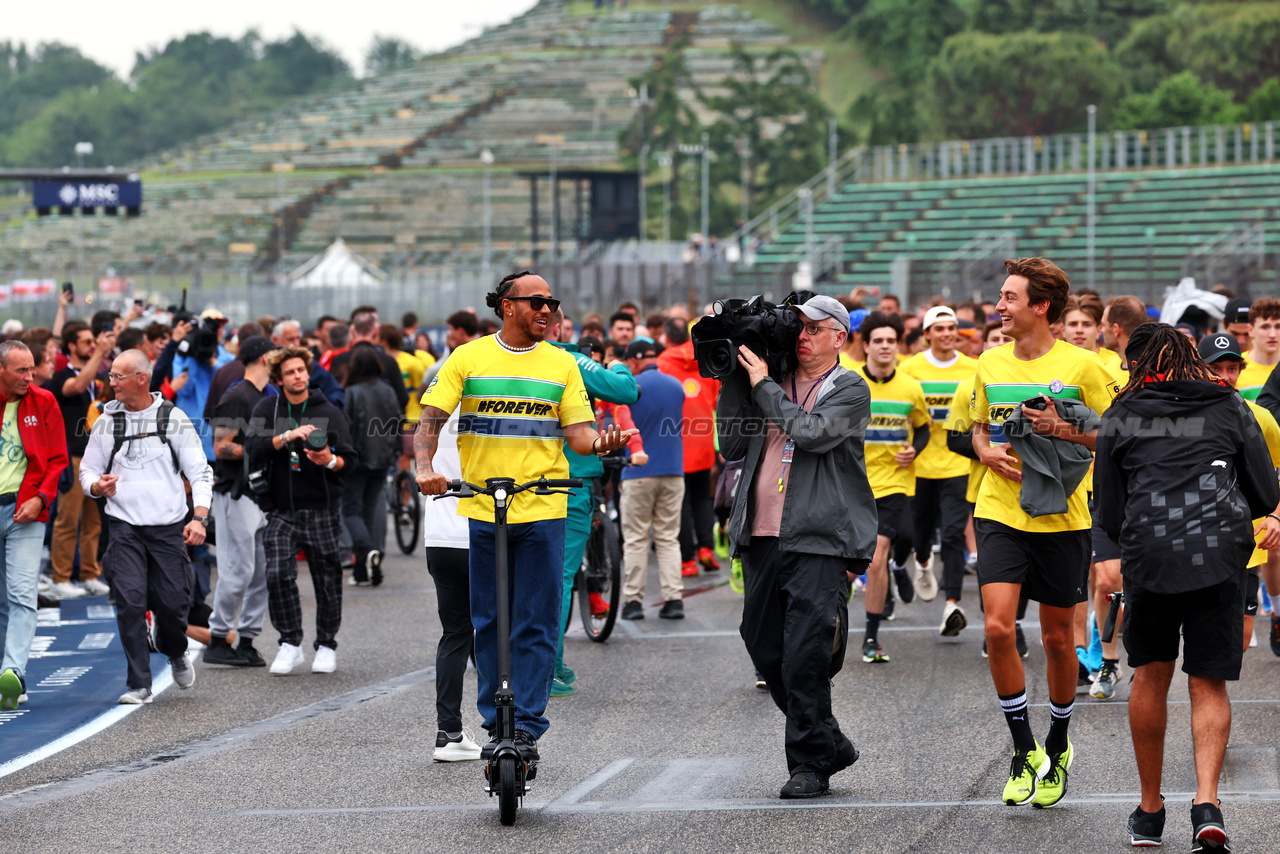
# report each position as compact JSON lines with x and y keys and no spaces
{"x":652,"y":502}
{"x":75,"y":509}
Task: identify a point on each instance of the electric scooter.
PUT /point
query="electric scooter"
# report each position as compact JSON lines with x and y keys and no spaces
{"x":506,"y":773}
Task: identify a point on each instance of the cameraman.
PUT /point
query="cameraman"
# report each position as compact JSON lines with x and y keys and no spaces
{"x":199,"y":355}
{"x":303,"y":444}
{"x":802,"y":537}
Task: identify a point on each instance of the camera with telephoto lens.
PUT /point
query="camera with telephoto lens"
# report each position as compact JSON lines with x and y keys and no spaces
{"x":770,"y":331}
{"x":201,"y":343}
{"x":318,"y":440}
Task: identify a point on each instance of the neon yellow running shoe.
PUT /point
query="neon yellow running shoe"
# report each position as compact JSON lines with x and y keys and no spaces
{"x":736,"y":584}
{"x":1025,"y":771}
{"x":1053,"y":787}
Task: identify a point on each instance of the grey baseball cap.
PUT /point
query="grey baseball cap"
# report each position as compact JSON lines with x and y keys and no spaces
{"x":821,"y":307}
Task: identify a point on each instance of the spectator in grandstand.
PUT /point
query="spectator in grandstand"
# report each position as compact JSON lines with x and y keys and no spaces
{"x":616,"y":385}
{"x":697,"y":520}
{"x":303,"y":444}
{"x":339,"y":336}
{"x":622,"y":329}
{"x":240,"y":597}
{"x":802,"y":545}
{"x":653,"y":491}
{"x":1182,"y":557}
{"x":364,"y":334}
{"x":490,"y":449}
{"x":33,"y":455}
{"x":77,"y":520}
{"x":137,"y":455}
{"x":288,"y":333}
{"x":1235,"y":321}
{"x":374,"y":418}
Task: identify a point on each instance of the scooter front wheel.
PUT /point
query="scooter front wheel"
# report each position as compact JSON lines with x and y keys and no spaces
{"x":508,"y":799}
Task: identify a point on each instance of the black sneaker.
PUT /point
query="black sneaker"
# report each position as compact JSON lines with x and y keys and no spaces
{"x":1084,"y":679}
{"x":373,"y":563}
{"x":672,"y":609}
{"x":1146,"y":828}
{"x":902,"y":580}
{"x":251,"y":655}
{"x":804,"y":784}
{"x":984,"y":647}
{"x":222,"y":653}
{"x":486,"y":752}
{"x":887,"y":614}
{"x":873,"y":653}
{"x":633,"y":611}
{"x":1207,"y":833}
{"x":846,"y":755}
{"x":528,"y":747}
{"x":1275,"y":635}
{"x":1020,"y":640}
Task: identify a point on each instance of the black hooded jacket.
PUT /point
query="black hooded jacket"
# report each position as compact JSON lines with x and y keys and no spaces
{"x":1181,"y":472}
{"x":312,"y":487}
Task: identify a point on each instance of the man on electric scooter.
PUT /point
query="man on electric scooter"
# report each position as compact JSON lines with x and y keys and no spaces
{"x":521,"y":400}
{"x":804,"y":522}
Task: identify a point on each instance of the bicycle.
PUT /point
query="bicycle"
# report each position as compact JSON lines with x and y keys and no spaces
{"x":506,"y":771}
{"x":600,"y":576}
{"x":406,"y":509}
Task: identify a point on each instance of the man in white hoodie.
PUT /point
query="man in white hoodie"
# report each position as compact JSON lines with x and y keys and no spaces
{"x":138,"y":453}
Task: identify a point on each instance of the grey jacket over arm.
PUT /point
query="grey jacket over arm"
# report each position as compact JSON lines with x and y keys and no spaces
{"x":828,"y":508}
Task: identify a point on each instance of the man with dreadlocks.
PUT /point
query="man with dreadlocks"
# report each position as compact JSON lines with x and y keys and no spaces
{"x":1181,"y":470}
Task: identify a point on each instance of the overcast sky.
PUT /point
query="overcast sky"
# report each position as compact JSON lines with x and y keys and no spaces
{"x":112,"y":32}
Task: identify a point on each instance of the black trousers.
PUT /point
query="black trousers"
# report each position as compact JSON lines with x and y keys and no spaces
{"x":941,"y":502}
{"x":449,"y":570}
{"x":697,"y":517}
{"x":149,"y":570}
{"x":903,"y":544}
{"x":795,"y":623}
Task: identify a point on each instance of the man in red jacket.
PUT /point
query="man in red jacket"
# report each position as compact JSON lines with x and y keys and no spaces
{"x":33,"y":454}
{"x":699,"y":433}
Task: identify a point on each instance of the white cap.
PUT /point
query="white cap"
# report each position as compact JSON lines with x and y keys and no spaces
{"x":938,"y":312}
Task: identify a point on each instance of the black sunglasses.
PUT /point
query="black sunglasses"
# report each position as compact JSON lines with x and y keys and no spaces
{"x":536,"y":303}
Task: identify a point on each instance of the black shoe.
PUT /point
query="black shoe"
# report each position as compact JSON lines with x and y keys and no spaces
{"x":43,"y":601}
{"x":902,"y":580}
{"x":1207,"y":832}
{"x":672,"y":609}
{"x":760,"y":683}
{"x":1021,"y":641}
{"x":633,"y":611}
{"x":1275,"y":635}
{"x":1084,"y":679}
{"x":984,"y":647}
{"x":222,"y":653}
{"x":528,"y":747}
{"x":373,"y":561}
{"x":486,"y":752}
{"x":804,"y":784}
{"x":846,"y":755}
{"x":888,"y":608}
{"x":1146,"y":828}
{"x":251,"y":655}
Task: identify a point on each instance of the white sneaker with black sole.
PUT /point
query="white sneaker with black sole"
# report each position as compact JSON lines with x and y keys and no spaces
{"x":287,"y":659}
{"x":953,"y":620}
{"x":455,"y":748}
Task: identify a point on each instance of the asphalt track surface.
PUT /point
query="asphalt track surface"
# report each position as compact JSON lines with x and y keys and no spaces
{"x":667,"y":746}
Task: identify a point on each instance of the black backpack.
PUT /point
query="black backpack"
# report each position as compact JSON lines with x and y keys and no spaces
{"x":162,"y":431}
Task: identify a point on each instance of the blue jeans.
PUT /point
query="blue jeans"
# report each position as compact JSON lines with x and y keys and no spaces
{"x":19,"y":567}
{"x":577,"y":532}
{"x":535,"y":561}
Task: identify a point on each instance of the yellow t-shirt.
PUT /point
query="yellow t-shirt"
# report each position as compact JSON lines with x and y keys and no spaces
{"x":939,"y":386}
{"x":1110,"y":360}
{"x":411,"y":371}
{"x":847,"y":361}
{"x":1271,"y":433}
{"x":425,"y":358}
{"x":1252,"y":378}
{"x":897,"y":411}
{"x":514,"y":408}
{"x":960,"y":420}
{"x":1001,"y":383}
{"x":13,"y":456}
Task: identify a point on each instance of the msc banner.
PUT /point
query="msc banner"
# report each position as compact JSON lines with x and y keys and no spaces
{"x":72,"y":193}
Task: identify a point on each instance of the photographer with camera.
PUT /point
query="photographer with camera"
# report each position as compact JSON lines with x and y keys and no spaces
{"x":302,"y":445}
{"x":805,"y":524}
{"x":199,"y":354}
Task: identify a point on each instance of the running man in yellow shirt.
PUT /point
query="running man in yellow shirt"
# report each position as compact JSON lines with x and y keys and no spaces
{"x":1046,"y":556}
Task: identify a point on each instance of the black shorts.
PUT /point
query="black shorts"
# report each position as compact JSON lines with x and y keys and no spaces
{"x":1104,"y":548}
{"x":890,"y":510}
{"x":1052,"y":567}
{"x":1211,"y":620}
{"x":1251,"y":593}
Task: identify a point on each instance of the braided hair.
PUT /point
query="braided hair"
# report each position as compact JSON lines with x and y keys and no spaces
{"x":1157,"y":352}
{"x":494,"y":299}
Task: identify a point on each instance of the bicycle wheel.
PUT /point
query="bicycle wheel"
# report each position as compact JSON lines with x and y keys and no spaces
{"x":601,"y":574}
{"x":507,"y":797}
{"x":406,"y":512}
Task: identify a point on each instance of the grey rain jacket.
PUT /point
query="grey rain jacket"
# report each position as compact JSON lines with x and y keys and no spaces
{"x":1052,"y":469}
{"x":829,"y":508}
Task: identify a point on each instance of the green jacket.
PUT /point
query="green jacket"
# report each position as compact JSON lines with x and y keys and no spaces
{"x":612,"y":385}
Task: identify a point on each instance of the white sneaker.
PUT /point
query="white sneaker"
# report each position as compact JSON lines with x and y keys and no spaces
{"x":459,"y":749}
{"x":953,"y":620}
{"x":925,"y":582}
{"x":135,"y":697}
{"x":287,"y":659}
{"x":43,"y":583}
{"x":326,"y":660}
{"x":67,"y":590}
{"x":95,"y":587}
{"x":184,"y":675}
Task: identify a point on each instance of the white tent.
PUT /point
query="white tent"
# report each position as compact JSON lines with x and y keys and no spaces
{"x":337,"y":266}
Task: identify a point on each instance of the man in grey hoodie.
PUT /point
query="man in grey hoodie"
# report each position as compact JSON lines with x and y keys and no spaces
{"x":138,"y":453}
